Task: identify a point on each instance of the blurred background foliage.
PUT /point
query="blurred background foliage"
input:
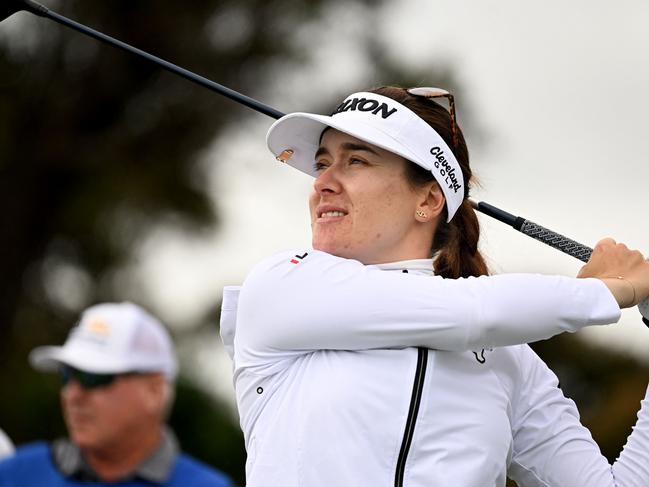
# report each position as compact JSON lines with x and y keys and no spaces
{"x":97,"y":147}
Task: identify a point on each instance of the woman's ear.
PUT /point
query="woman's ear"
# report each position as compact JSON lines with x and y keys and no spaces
{"x":431,"y":203}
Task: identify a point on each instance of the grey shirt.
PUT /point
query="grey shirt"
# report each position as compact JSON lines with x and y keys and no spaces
{"x":156,"y":468}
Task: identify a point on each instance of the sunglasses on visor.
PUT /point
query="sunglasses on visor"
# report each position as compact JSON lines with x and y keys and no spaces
{"x":431,"y":92}
{"x":87,"y":380}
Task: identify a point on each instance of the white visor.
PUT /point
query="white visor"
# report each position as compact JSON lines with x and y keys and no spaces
{"x":380,"y":121}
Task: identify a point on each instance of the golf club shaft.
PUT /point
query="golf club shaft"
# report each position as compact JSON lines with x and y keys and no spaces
{"x":531,"y":229}
{"x":211,"y":85}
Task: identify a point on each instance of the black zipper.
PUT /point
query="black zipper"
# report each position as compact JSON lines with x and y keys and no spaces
{"x":415,"y":401}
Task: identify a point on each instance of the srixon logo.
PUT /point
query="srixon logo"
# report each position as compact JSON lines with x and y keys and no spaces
{"x":445,"y":169}
{"x":365,"y":105}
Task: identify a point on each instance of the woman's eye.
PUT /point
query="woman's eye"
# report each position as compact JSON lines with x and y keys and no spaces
{"x":319,"y":166}
{"x":355,"y":160}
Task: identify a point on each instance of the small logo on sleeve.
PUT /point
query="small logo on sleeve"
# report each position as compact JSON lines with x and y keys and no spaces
{"x":299,"y":258}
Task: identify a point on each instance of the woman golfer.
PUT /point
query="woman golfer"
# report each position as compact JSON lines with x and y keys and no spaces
{"x":384,"y":355}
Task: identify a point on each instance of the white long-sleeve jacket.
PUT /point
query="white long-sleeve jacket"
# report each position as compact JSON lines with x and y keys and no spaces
{"x":353,"y":375}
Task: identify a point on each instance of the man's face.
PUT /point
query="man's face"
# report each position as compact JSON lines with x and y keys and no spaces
{"x":102,"y":417}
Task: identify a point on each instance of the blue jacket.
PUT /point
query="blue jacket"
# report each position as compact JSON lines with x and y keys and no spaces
{"x":32,"y":466}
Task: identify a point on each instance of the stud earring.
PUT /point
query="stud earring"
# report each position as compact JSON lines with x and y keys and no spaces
{"x":421,"y":214}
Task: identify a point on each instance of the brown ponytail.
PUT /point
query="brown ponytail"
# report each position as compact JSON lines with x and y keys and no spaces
{"x":455,"y":243}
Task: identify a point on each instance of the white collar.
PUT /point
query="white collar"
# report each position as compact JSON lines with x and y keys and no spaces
{"x":419,"y":266}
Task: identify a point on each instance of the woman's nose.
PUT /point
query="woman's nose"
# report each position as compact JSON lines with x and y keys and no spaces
{"x":328,"y":181}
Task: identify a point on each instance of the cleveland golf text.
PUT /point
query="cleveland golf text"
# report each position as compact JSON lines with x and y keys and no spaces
{"x":445,"y":168}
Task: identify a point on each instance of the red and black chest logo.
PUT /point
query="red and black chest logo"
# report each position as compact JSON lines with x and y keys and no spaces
{"x":298,"y":258}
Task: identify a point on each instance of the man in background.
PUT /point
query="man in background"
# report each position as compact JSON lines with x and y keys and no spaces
{"x":117,"y":368}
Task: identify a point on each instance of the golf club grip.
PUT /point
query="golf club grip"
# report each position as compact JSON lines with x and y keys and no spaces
{"x":567,"y":246}
{"x":553,"y":239}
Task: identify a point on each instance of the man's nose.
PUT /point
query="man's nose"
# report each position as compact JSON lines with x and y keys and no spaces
{"x":72,"y":390}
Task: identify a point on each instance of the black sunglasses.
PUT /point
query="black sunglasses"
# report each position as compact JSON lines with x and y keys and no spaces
{"x":87,"y":380}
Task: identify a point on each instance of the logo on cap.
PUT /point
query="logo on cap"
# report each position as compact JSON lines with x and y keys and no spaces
{"x":99,"y":327}
{"x":93,"y":330}
{"x":365,"y":105}
{"x":445,"y":169}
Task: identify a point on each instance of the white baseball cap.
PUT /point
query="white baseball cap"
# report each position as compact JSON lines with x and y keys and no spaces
{"x":112,"y":338}
{"x":380,"y":121}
